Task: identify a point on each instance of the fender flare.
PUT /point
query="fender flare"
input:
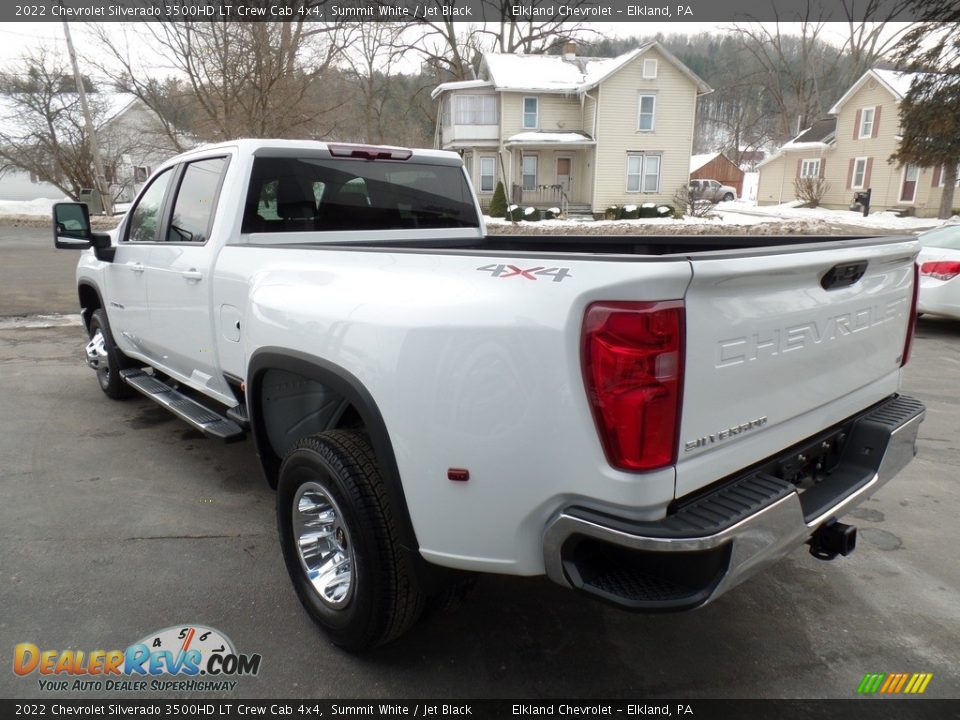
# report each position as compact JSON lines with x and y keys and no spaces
{"x":84,"y":312}
{"x":349,"y":387}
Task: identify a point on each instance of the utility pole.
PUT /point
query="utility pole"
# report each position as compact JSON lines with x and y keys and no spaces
{"x":101,"y":181}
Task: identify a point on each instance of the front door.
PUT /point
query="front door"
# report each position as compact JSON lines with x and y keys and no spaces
{"x":179,"y":279}
{"x":564,"y":173}
{"x":126,"y":275}
{"x":908,"y":191}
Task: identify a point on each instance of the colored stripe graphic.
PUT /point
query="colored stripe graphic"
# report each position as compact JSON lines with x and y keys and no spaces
{"x":894,"y":683}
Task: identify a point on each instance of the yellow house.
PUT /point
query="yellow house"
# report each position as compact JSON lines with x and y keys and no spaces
{"x":850,"y":150}
{"x":582,"y":132}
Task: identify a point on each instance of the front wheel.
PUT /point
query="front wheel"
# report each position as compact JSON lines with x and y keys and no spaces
{"x":340,"y":541}
{"x":728,"y":197}
{"x":104,"y":357}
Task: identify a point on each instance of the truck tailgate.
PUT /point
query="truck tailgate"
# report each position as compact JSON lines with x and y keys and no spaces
{"x":785,"y":343}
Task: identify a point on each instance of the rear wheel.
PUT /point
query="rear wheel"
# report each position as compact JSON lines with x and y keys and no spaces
{"x":728,"y":197}
{"x":340,"y":541}
{"x":105,"y":359}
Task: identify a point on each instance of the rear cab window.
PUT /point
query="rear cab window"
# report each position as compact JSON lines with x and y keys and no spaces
{"x":308,"y":194}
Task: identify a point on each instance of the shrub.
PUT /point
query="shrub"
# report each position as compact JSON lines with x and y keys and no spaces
{"x":614,"y":212}
{"x":551,"y":213}
{"x":514,"y":213}
{"x":498,"y":204}
{"x":687,"y":201}
{"x":630,"y":212}
{"x":531,"y":214}
{"x":810,"y":190}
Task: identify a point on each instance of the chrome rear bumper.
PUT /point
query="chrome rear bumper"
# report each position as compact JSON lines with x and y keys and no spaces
{"x":715,"y":542}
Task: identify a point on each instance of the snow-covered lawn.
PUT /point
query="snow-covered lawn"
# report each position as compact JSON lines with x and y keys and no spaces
{"x":42,"y":206}
{"x":738,"y":209}
{"x":743,"y":213}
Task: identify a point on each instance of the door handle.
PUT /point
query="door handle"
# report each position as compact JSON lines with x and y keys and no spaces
{"x":192,"y":275}
{"x":137,"y":267}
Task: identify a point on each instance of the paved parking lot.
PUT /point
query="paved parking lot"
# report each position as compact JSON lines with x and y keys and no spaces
{"x":117,"y":520}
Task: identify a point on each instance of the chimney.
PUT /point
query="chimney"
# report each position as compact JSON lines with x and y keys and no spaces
{"x":570,"y":50}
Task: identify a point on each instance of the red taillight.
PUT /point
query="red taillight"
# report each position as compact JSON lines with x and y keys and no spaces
{"x":633,"y":357}
{"x":941,"y":270}
{"x":912,"y":320}
{"x":370,"y":152}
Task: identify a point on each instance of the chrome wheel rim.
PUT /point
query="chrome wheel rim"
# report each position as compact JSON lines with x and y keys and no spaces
{"x":323,"y":544}
{"x":97,"y":357}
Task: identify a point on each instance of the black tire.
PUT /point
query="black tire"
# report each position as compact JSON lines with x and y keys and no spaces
{"x":108,"y":371}
{"x":383,"y":599}
{"x":728,"y":197}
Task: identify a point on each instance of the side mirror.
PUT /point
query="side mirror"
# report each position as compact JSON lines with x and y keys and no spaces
{"x":71,"y":226}
{"x":71,"y":231}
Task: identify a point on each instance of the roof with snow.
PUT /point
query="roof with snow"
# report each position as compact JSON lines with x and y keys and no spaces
{"x":460,"y":85}
{"x":561,"y":74}
{"x":818,"y":136}
{"x":536,"y":137}
{"x":698,"y":161}
{"x":896,"y":83}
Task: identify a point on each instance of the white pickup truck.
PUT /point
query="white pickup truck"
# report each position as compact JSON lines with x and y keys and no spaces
{"x":646,"y":420}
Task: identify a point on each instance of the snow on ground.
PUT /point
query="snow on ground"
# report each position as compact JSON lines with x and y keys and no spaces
{"x":743,"y":212}
{"x":734,"y":211}
{"x":43,"y":207}
{"x":40,"y":206}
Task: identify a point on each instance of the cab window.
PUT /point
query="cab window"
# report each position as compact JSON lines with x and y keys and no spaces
{"x":195,"y":201}
{"x":145,"y":218}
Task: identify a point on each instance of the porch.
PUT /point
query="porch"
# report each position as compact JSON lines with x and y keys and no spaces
{"x":551,"y":170}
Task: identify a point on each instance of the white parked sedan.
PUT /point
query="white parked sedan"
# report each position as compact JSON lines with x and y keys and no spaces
{"x":939,"y":262}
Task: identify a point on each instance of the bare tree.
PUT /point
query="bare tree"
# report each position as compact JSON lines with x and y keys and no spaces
{"x":241,"y":79}
{"x":791,"y":67}
{"x":371,"y":57}
{"x":45,"y":133}
{"x":868,"y":40}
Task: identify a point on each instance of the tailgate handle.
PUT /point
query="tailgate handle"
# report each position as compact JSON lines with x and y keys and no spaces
{"x":841,"y":276}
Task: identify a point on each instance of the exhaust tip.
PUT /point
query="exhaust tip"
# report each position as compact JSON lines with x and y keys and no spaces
{"x":833,"y":538}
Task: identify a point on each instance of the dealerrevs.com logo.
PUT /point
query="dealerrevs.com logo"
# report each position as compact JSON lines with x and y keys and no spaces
{"x":181,"y":658}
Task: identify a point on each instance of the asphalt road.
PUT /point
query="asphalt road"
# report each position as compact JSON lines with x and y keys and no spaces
{"x":117,"y":520}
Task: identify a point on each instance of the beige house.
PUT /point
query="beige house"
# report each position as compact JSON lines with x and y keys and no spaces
{"x":850,"y":150}
{"x":577,"y":131}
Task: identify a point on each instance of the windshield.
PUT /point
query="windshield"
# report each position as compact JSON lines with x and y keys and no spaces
{"x":309,"y":194}
{"x":946,"y":237}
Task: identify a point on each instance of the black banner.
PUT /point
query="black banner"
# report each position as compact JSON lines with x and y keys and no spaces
{"x":637,"y":11}
{"x":898,"y":709}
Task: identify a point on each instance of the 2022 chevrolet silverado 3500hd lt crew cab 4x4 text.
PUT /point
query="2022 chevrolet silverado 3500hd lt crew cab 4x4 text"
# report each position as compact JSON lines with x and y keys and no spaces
{"x":646,"y":420}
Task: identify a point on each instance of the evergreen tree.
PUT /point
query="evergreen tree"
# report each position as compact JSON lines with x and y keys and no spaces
{"x":930,"y":111}
{"x":498,"y":204}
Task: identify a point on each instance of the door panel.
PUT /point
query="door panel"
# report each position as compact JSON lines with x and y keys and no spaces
{"x":908,"y":192}
{"x":564,"y":173}
{"x":126,"y":275}
{"x":179,"y":279}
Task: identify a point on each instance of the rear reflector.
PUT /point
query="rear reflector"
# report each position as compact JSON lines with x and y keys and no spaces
{"x":941,"y":270}
{"x":633,"y":361}
{"x":370,"y":152}
{"x":912,"y":320}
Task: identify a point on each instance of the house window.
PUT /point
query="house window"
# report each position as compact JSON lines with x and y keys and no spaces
{"x":475,"y":110}
{"x":647,"y":110}
{"x":141,"y":173}
{"x":810,"y":168}
{"x":866,"y":122}
{"x":33,"y":178}
{"x":650,"y":69}
{"x":643,"y":173}
{"x":531,"y":112}
{"x":943,"y":175}
{"x":859,"y":173}
{"x":488,"y":173}
{"x":529,"y":172}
